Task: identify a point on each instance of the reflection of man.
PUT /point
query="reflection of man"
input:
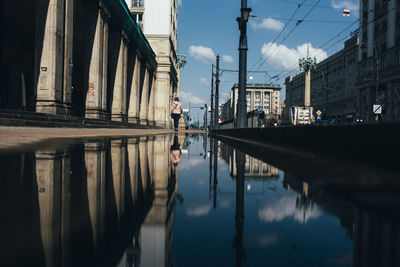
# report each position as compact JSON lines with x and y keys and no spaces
{"x":176,"y":153}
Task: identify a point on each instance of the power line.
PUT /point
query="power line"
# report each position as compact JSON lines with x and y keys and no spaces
{"x":297,"y":20}
{"x":295,"y":27}
{"x":279,"y":34}
{"x":326,"y":7}
{"x":337,"y":35}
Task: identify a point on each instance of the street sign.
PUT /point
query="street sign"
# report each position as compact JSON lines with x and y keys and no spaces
{"x":346,"y":12}
{"x":260,"y":108}
{"x":377,"y":109}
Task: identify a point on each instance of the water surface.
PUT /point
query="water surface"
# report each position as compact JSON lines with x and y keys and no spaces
{"x":185,"y":200}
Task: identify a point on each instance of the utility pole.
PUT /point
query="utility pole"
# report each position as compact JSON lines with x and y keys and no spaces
{"x":205,"y":115}
{"x":190,"y":117}
{"x":217,"y":94}
{"x":242,"y":22}
{"x":212,"y":98}
{"x":377,"y":83}
{"x":307,"y":64}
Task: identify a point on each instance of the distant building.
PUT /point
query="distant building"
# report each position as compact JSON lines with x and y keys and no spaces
{"x":263,"y":97}
{"x":333,"y":84}
{"x":379,"y":59}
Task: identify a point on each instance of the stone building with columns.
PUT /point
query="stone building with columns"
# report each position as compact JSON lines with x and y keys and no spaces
{"x":159,"y":20}
{"x":84,"y":58}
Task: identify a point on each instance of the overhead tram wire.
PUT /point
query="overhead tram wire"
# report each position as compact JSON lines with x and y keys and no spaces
{"x":295,"y":27}
{"x":326,"y":7}
{"x":318,"y":21}
{"x":337,"y":35}
{"x":279,"y":34}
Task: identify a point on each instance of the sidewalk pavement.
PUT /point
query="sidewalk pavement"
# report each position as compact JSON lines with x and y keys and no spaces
{"x":18,"y":138}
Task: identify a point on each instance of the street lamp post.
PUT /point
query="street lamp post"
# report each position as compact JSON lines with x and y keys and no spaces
{"x":212,"y":98}
{"x":242,"y":22}
{"x":217,"y":81}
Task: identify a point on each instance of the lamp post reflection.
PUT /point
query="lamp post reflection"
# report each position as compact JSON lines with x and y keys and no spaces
{"x":215,"y":180}
{"x":239,"y":217}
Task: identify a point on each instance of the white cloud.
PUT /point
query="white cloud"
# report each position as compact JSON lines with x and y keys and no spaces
{"x":227,"y":59}
{"x":189,"y":97}
{"x":345,"y":5}
{"x":287,"y":58}
{"x":204,"y":81}
{"x":179,"y":2}
{"x":279,"y":209}
{"x":202,"y":53}
{"x":198,"y":210}
{"x":267,"y":23}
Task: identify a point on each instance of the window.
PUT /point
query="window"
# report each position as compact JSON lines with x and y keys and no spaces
{"x":137,"y":3}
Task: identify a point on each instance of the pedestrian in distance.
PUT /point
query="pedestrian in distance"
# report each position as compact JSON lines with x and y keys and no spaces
{"x":176,"y":112}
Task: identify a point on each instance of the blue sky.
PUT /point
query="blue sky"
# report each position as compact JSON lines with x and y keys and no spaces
{"x":208,"y":27}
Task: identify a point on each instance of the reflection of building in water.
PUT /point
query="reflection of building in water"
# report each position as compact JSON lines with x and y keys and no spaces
{"x":152,"y":245}
{"x":156,"y":231}
{"x":373,"y":227}
{"x":79,"y":202}
{"x":253,"y":168}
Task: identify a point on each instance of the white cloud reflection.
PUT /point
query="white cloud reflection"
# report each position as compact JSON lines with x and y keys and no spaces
{"x":198,"y":209}
{"x":285,"y":207}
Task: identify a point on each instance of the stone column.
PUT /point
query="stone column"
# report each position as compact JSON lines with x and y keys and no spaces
{"x":133,"y":112}
{"x":118,"y":151}
{"x":95,"y":161}
{"x":144,"y":101}
{"x":94,"y":98}
{"x":133,"y":159}
{"x":118,"y":110}
{"x":106,"y":33}
{"x":152,"y":88}
{"x":50,"y":56}
{"x":162,"y":116}
{"x":307,"y":91}
{"x":68,"y":55}
{"x":97,"y":87}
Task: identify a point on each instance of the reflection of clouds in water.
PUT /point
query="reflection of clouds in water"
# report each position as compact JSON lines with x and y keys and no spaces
{"x":279,"y":209}
{"x":263,"y":240}
{"x":191,"y":163}
{"x":224,"y":204}
{"x":202,"y":181}
{"x":199,"y":209}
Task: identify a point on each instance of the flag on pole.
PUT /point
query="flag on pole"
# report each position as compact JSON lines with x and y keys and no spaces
{"x":346,"y":12}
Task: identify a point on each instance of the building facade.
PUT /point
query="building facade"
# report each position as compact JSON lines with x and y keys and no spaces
{"x":159,"y":20}
{"x":84,"y":58}
{"x":333,"y":89}
{"x":378,"y":77}
{"x":262,"y":97}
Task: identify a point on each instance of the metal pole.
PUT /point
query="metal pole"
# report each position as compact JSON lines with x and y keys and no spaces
{"x":377,"y":81}
{"x":217,"y":94}
{"x":206,"y":119}
{"x":190,"y":117}
{"x":239,"y":216}
{"x":212,"y":97}
{"x":241,"y":110}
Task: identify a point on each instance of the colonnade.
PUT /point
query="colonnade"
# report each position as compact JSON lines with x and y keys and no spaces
{"x":90,"y":59}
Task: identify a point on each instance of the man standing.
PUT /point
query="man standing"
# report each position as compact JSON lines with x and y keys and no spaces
{"x":176,"y":111}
